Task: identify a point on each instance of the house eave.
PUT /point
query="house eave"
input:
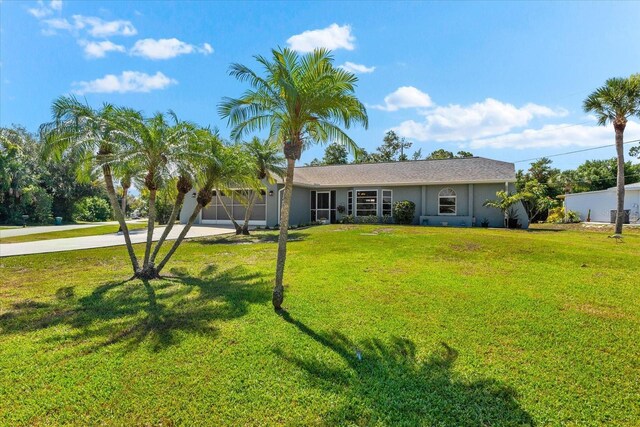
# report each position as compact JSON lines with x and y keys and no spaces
{"x":401,"y":184}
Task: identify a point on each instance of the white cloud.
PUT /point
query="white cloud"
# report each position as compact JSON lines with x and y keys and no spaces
{"x":42,"y":10}
{"x":357,"y":68}
{"x":482,"y":119}
{"x":128,"y":81}
{"x":100,"y":28}
{"x":95,"y":27}
{"x":99,"y":49}
{"x":333,"y":37}
{"x":405,"y":97}
{"x":167,"y":48}
{"x":556,"y":136}
{"x":207,"y":49}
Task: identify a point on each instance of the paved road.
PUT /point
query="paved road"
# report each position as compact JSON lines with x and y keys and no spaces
{"x":11,"y":232}
{"x":104,"y":240}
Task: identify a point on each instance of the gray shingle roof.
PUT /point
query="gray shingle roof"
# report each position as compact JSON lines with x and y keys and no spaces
{"x":420,"y":172}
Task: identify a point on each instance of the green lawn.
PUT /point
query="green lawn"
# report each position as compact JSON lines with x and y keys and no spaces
{"x":385,"y":325}
{"x":64,"y":234}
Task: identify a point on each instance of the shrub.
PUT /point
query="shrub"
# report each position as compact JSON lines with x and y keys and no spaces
{"x":370,"y":219}
{"x":347,"y":219}
{"x":92,"y":209}
{"x":403,"y":211}
{"x":557,"y":216}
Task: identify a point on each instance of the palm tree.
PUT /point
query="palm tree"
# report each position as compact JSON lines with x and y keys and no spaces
{"x":95,"y":138}
{"x":218,"y":169}
{"x":268,"y":164}
{"x":505,"y":203}
{"x":301,"y":100}
{"x":615,"y":102}
{"x":160,"y":146}
{"x":241,"y":164}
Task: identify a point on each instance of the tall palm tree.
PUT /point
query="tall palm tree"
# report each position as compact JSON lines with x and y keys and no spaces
{"x":301,"y":100}
{"x":614,"y":103}
{"x":268,"y":164}
{"x":95,"y":138}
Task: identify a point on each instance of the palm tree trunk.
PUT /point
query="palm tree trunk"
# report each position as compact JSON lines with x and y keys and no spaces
{"x":125,"y":190}
{"x":111,"y":192}
{"x":278,"y":289}
{"x":619,"y":128}
{"x":226,"y":210}
{"x":150,"y":226}
{"x":172,"y":219}
{"x":247,"y":214}
{"x":180,"y":238}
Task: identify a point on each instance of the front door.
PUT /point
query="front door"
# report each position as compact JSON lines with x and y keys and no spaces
{"x":323,"y":206}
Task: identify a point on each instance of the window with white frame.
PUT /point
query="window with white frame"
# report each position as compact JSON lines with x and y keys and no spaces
{"x":366,"y":202}
{"x":350,"y":202}
{"x":447,"y":202}
{"x":387,"y":202}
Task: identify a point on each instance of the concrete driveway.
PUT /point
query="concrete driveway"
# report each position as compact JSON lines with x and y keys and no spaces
{"x":104,"y":240}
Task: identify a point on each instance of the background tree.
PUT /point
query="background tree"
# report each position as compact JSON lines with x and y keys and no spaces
{"x":444,"y":154}
{"x":392,"y":149}
{"x":614,"y":103}
{"x":440,"y":154}
{"x":301,"y":100}
{"x":19,"y":173}
{"x":335,"y":154}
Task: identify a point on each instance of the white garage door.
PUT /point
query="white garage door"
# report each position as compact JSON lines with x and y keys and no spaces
{"x":215,"y":213}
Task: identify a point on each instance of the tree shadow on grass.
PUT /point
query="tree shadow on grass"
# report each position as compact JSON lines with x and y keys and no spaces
{"x":295,"y":236}
{"x":386,"y":384}
{"x":130,"y":312}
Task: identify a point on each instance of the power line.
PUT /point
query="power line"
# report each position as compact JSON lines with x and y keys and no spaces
{"x":577,"y":151}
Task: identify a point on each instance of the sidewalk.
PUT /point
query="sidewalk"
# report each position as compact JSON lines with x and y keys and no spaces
{"x":103,"y":241}
{"x":12,"y":232}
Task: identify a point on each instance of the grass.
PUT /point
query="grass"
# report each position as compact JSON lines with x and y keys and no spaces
{"x":385,"y":325}
{"x":65,"y":234}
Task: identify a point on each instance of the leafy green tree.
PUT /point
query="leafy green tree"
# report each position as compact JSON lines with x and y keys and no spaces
{"x":335,"y":154}
{"x":92,"y":209}
{"x":463,"y":154}
{"x":417,"y":155}
{"x":536,"y":201}
{"x":19,"y":170}
{"x":392,"y":149}
{"x":440,"y":154}
{"x":444,"y":154}
{"x":614,"y":103}
{"x":300,"y":99}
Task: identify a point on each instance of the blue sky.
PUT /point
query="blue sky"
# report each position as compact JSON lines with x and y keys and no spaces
{"x":502,"y":80}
